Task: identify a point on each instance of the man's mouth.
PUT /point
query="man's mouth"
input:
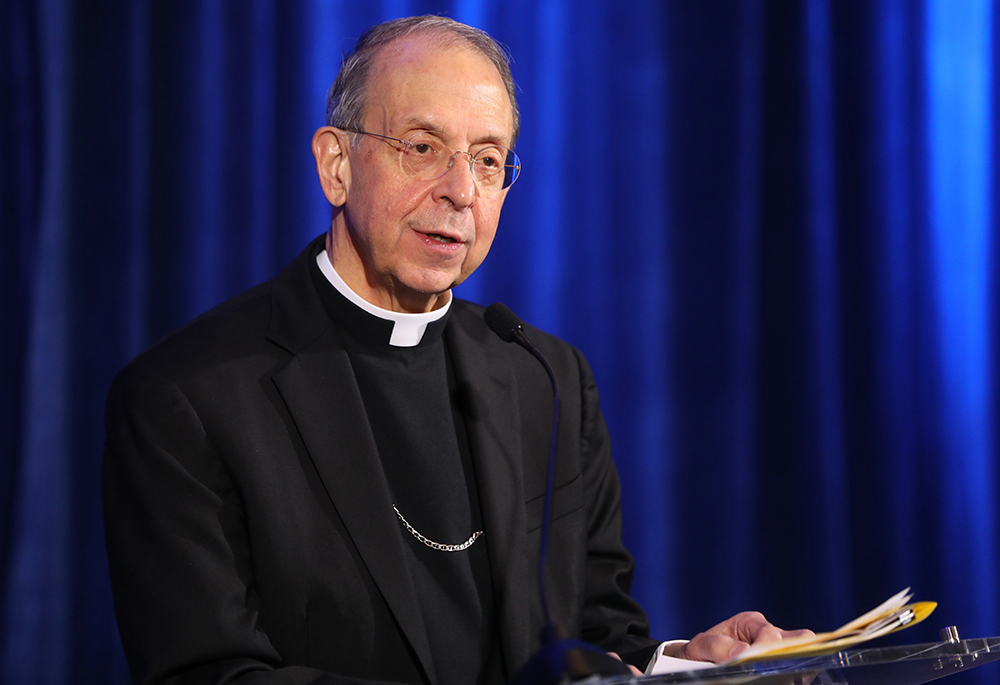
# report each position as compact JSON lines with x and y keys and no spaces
{"x":440,"y":238}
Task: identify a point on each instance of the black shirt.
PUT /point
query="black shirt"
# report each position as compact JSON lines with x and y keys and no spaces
{"x":412,"y":406}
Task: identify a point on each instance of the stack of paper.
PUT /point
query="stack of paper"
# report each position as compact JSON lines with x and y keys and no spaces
{"x":888,"y":617}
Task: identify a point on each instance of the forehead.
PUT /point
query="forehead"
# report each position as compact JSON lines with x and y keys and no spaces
{"x":451,"y":86}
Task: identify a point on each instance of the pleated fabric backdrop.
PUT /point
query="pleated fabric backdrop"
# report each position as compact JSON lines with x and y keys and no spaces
{"x":771,"y":226}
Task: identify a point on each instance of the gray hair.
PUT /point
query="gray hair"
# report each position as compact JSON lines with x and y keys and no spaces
{"x":347,"y":100}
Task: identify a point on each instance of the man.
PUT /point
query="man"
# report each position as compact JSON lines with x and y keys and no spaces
{"x":337,"y":476}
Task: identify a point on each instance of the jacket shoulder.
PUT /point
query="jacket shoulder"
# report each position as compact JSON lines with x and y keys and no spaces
{"x":267,"y":320}
{"x":470,"y":315}
{"x":232,"y":328}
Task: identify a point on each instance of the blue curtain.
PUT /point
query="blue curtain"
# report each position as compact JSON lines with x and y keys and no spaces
{"x":770,"y":225}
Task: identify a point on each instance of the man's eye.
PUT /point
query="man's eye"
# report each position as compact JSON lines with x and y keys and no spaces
{"x":490,"y":159}
{"x":422,"y":148}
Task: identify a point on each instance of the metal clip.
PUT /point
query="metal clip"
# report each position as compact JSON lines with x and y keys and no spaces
{"x":950,"y":634}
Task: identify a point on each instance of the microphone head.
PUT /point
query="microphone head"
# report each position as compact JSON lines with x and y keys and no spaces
{"x":502,"y":321}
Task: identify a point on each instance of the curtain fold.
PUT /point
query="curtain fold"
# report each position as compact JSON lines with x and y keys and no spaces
{"x":959,"y":73}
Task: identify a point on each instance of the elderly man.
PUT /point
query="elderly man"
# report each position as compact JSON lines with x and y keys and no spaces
{"x":337,"y":476}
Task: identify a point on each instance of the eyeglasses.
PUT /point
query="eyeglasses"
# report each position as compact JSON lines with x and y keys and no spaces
{"x":494,"y":167}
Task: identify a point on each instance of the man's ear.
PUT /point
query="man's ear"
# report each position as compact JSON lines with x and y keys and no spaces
{"x":329,"y":146}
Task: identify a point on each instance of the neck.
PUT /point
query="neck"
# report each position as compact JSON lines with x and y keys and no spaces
{"x":380,"y":291}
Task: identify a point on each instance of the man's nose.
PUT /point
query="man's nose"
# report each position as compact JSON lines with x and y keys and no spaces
{"x":458,"y":185}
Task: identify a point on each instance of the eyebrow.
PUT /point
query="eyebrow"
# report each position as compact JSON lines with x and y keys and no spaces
{"x":425,"y":125}
{"x":422,"y":124}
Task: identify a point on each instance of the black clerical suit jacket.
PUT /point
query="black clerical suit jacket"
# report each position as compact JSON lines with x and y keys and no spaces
{"x":250,"y":531}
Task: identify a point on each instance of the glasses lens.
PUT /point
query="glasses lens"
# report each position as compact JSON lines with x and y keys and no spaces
{"x":427,"y":156}
{"x":512,"y":168}
{"x":494,"y":167}
{"x":488,"y":163}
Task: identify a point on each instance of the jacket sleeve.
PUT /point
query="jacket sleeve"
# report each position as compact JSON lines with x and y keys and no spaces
{"x":611,"y":618}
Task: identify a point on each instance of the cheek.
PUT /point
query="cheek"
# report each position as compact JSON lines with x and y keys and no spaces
{"x":384,"y":209}
{"x":486,"y":230}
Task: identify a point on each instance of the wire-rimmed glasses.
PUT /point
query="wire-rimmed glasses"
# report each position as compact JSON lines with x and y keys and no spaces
{"x":425,"y":155}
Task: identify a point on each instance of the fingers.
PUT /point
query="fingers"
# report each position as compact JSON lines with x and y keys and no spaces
{"x":710,"y":647}
{"x":726,"y":640}
{"x":789,"y":634}
{"x":768,"y":633}
{"x":749,"y":627}
{"x":635,"y":671}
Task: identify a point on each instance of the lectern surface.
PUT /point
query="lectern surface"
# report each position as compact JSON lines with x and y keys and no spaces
{"x":905,"y":665}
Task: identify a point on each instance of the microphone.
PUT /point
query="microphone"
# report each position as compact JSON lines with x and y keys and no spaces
{"x":559,"y":658}
{"x":505,"y":323}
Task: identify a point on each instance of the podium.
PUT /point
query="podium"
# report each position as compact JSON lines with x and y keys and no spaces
{"x":903,"y":665}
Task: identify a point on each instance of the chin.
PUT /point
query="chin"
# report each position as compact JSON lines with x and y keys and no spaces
{"x":432,"y":284}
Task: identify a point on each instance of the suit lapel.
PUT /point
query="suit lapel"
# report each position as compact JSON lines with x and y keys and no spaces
{"x":492,"y":414}
{"x":322,"y":396}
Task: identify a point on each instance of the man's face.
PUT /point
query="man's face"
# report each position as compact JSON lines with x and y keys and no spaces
{"x":415,"y":238}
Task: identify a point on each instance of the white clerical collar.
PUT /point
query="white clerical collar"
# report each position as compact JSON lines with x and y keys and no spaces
{"x":407,"y":330}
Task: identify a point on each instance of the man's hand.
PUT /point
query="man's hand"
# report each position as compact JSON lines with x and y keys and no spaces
{"x":635,"y":671}
{"x":726,"y":640}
